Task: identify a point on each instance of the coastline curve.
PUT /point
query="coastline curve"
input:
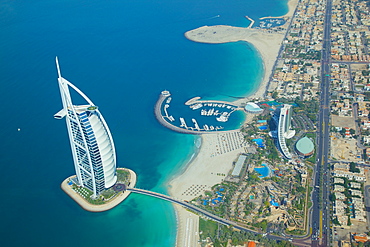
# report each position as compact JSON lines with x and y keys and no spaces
{"x":103,"y":207}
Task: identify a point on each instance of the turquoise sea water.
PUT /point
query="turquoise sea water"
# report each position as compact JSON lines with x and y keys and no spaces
{"x":122,"y":54}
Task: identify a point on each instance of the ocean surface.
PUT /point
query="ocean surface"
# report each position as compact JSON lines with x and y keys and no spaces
{"x":121,"y":54}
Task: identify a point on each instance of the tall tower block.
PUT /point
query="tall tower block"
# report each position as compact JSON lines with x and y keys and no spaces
{"x":288,"y":121}
{"x":93,"y":151}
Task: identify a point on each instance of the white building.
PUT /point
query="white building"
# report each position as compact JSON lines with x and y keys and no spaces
{"x":91,"y":142}
{"x":284,"y":130}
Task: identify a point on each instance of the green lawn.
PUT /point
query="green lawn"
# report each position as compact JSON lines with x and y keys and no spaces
{"x":208,"y":228}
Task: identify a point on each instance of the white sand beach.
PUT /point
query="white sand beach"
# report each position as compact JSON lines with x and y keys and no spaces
{"x":267,"y":43}
{"x":219,"y":151}
{"x":209,"y":167}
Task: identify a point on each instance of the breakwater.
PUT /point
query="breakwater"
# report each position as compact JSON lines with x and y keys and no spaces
{"x":158,"y":114}
{"x":197,"y":100}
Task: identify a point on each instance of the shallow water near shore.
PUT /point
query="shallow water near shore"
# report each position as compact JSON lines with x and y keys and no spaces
{"x":121,"y":54}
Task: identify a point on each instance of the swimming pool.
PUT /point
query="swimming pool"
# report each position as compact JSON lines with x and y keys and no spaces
{"x":264,"y":171}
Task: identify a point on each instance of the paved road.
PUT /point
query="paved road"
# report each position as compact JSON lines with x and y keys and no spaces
{"x":367,"y":203}
{"x":199,"y":210}
{"x":321,"y":208}
{"x":320,"y":214}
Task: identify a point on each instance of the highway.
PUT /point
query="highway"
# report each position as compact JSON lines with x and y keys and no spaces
{"x":320,"y":217}
{"x":201,"y":211}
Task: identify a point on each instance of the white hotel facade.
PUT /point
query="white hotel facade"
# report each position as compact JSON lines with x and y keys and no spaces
{"x":91,"y":142}
{"x":284,"y":130}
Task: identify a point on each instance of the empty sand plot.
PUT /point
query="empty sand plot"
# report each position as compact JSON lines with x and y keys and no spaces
{"x":343,"y":122}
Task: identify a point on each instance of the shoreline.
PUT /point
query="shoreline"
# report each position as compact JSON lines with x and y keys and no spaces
{"x":266,"y":43}
{"x":199,"y":174}
{"x":98,"y":208}
{"x":181,"y":170}
{"x":201,"y":171}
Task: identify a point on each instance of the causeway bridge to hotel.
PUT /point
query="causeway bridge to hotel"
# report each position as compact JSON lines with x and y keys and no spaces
{"x":201,"y":211}
{"x":189,"y":206}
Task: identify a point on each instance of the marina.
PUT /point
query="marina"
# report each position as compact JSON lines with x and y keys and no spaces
{"x":270,"y":22}
{"x":209,"y":112}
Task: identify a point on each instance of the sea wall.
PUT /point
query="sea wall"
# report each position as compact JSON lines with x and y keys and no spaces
{"x":163,"y":122}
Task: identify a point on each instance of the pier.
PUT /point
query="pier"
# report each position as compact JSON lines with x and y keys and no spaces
{"x":252,"y":21}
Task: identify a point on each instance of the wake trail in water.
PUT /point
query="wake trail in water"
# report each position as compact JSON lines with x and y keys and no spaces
{"x":217,"y":16}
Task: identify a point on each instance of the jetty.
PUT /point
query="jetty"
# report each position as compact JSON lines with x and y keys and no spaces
{"x":251,"y":20}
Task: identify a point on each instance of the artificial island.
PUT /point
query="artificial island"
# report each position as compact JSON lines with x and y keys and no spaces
{"x":98,"y":184}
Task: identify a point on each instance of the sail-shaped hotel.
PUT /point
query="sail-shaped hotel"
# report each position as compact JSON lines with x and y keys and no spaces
{"x":91,"y":142}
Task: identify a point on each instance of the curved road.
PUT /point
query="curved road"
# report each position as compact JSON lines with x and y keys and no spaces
{"x":199,"y":210}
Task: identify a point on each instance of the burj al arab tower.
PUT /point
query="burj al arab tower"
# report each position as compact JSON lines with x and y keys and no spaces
{"x":91,"y":142}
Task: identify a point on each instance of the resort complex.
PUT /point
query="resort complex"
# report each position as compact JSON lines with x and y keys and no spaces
{"x":300,"y":172}
{"x":288,"y":165}
{"x":247,"y":122}
{"x":92,"y":146}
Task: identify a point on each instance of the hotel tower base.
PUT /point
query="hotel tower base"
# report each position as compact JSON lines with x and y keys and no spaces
{"x":102,"y":207}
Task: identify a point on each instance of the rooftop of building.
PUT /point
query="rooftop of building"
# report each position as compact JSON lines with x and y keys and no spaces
{"x":252,"y":107}
{"x":305,"y":145}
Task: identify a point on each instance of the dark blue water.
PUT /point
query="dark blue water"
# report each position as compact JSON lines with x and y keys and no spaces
{"x":122,"y":54}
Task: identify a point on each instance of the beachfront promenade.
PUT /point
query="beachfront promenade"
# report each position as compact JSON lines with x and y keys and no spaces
{"x":201,"y":211}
